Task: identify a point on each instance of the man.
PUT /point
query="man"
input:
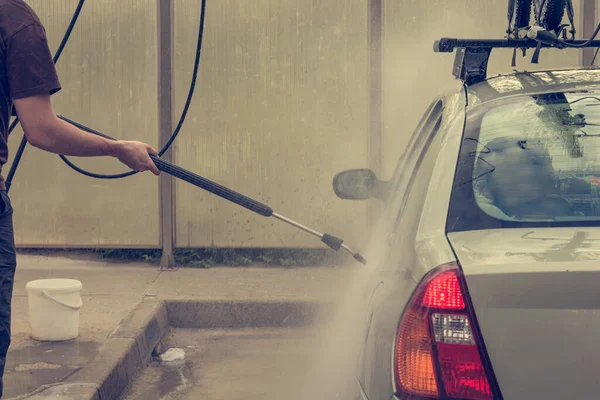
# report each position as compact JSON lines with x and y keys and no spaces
{"x":27,"y":80}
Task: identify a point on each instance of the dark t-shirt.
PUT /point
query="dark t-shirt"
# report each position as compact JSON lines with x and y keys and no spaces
{"x":26,"y":67}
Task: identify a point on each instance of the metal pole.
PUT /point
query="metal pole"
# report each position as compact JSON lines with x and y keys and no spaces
{"x":588,"y":25}
{"x":375,"y":61}
{"x":165,"y":128}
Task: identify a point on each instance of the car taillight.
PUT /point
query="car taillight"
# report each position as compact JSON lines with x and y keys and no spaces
{"x":437,"y":353}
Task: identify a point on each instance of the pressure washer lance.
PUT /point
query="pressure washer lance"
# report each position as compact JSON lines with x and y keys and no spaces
{"x":333,"y":242}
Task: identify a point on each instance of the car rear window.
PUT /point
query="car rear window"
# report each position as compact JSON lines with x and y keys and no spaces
{"x":529,"y":161}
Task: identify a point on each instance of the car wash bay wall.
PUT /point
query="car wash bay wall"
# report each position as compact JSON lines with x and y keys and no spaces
{"x":108,"y":76}
{"x":280,"y":107}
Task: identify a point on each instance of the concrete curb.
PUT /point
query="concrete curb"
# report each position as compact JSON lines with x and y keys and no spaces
{"x":123,"y":356}
{"x":240,"y":314}
{"x":129,"y":349}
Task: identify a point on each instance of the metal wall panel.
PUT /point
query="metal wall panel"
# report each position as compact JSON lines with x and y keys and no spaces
{"x":108,"y":74}
{"x":280,"y":108}
{"x":414,"y":74}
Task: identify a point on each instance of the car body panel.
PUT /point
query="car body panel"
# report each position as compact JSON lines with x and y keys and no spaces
{"x":535,"y":294}
{"x":521,"y":250}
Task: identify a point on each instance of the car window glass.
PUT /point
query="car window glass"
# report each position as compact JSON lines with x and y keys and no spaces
{"x":409,"y":217}
{"x":406,"y":192}
{"x":419,"y":138}
{"x":534,"y":159}
{"x":407,"y":167}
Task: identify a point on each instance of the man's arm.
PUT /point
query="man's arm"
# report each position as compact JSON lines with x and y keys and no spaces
{"x":46,"y":131}
{"x":33,"y":79}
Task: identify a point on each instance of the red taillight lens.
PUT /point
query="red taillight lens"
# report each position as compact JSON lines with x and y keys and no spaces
{"x":444,"y":292}
{"x":436,"y":350}
{"x":463,"y":373}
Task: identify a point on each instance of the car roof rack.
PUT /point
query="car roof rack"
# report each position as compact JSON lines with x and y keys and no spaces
{"x":472,"y":55}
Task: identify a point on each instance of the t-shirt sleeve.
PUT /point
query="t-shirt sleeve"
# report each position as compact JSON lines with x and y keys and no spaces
{"x":30,"y":68}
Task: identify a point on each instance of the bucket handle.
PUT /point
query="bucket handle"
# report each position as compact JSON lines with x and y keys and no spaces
{"x":62,"y":303}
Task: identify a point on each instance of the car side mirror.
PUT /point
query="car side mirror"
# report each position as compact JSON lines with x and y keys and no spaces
{"x":359,"y":184}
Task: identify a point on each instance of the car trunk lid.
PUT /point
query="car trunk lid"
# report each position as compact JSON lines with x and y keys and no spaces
{"x":536,"y":297}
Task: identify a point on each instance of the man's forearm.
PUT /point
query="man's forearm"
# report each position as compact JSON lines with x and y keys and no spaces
{"x":46,"y":131}
{"x":60,"y":137}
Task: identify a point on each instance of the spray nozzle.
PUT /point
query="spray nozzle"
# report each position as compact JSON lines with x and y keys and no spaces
{"x":359,"y":258}
{"x":336,"y":243}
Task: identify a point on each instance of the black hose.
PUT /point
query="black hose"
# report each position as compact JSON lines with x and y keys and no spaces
{"x":166,"y":147}
{"x":61,"y":47}
{"x":590,"y":40}
{"x":545,"y":36}
{"x":181,"y":119}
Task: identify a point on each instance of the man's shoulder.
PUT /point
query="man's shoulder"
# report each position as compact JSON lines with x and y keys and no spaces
{"x":14,"y":16}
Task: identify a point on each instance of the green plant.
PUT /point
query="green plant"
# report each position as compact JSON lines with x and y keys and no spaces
{"x":209,"y":257}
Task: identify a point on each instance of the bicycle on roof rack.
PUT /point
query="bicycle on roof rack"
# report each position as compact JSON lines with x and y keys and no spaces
{"x":548,"y":14}
{"x":472,"y":55}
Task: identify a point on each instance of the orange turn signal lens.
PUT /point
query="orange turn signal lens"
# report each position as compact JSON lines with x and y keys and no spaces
{"x":414,"y":358}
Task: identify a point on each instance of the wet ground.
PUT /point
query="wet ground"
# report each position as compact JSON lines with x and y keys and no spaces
{"x":248,"y":364}
{"x":109,"y":293}
{"x":220,"y":364}
{"x":44,"y":363}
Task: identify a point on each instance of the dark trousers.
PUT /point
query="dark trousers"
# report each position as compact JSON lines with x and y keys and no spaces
{"x":8,"y":263}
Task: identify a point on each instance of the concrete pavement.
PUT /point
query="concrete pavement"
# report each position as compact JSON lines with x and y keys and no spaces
{"x":221,"y":364}
{"x":111,"y":291}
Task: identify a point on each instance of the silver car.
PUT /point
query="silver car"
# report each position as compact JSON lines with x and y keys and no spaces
{"x":489,"y":285}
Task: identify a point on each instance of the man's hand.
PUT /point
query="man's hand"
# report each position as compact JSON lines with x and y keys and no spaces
{"x":136,"y":155}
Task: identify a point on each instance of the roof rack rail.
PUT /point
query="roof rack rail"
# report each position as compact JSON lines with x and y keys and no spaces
{"x":472,"y":55}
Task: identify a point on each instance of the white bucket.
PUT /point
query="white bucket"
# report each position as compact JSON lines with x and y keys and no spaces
{"x":54,"y":306}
